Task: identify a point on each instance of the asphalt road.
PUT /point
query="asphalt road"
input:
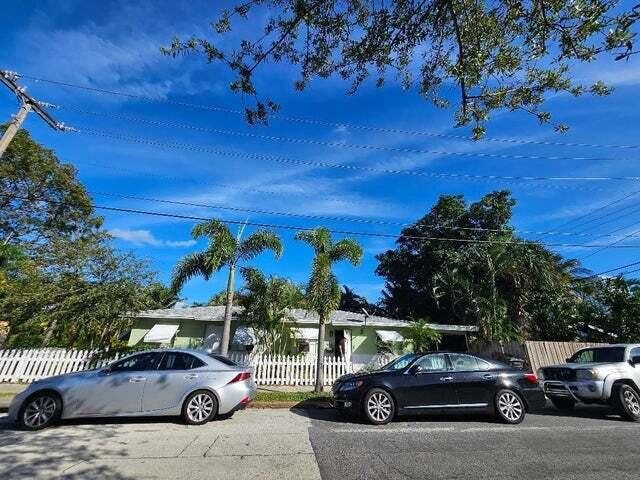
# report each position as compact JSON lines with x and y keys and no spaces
{"x":301,"y":445}
{"x":590,"y":444}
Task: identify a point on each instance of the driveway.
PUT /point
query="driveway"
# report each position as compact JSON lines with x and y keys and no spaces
{"x":283,"y":444}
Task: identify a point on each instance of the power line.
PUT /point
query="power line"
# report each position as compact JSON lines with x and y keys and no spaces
{"x":308,"y":141}
{"x":610,"y":270}
{"x":301,"y":228}
{"x":327,"y":123}
{"x":317,"y":164}
{"x":591,"y":212}
{"x":334,"y":218}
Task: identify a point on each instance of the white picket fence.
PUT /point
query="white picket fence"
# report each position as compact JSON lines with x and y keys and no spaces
{"x":28,"y":365}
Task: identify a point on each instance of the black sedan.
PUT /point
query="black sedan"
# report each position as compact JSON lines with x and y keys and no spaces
{"x":439,"y":382}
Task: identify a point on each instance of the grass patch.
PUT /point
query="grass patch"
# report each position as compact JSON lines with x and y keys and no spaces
{"x":262,"y":396}
{"x":7,"y":394}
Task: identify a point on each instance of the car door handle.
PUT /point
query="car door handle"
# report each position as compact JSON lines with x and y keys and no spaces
{"x":446,"y":379}
{"x":137,"y":379}
{"x":488,"y":376}
{"x":191,"y":376}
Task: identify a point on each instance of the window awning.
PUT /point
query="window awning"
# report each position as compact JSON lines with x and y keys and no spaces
{"x":161,"y":333}
{"x":244,"y":336}
{"x":306,"y":334}
{"x":389,"y":336}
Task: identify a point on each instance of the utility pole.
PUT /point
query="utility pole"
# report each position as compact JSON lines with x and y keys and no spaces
{"x":27,"y":104}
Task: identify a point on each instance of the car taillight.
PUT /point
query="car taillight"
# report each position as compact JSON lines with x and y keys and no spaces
{"x":531,"y":378}
{"x":241,"y":377}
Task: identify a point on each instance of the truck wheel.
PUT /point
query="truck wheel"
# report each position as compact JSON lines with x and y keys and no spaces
{"x":563,"y":404}
{"x":627,"y":402}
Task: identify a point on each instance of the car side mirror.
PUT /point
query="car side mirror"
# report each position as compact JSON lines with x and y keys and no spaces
{"x":106,"y":371}
{"x":634,"y":360}
{"x":414,"y":369}
{"x":568,"y":360}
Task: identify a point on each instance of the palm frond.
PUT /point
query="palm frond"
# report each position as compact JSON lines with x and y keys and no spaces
{"x":188,"y":267}
{"x":319,"y":239}
{"x":211,"y":229}
{"x":347,"y":249}
{"x":258,"y":242}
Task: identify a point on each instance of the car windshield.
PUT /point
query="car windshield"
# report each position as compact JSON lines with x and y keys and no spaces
{"x":599,"y":355}
{"x":400,"y":362}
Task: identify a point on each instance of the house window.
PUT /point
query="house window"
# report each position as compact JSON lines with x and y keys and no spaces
{"x":303,"y":347}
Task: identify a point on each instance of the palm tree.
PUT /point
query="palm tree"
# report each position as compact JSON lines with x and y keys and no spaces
{"x":223,"y":250}
{"x":323,"y":291}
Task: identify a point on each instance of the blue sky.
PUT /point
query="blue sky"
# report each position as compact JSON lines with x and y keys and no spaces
{"x":115,"y":45}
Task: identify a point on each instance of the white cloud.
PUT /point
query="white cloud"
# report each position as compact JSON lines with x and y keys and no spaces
{"x":145,"y":237}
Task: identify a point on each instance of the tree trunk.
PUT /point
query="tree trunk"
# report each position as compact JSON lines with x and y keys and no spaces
{"x":49,"y":332}
{"x":320,"y":359}
{"x":228,"y":310}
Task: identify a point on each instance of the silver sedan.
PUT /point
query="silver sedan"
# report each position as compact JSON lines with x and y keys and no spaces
{"x":190,"y":383}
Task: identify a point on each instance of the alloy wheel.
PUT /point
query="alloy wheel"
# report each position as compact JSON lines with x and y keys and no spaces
{"x":379,"y":406}
{"x":200,"y":407}
{"x":40,"y":411}
{"x":632,"y":402}
{"x":510,"y":406}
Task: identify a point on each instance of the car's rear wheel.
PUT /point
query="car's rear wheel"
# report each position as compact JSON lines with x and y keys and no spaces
{"x":627,"y":402}
{"x":379,"y":407}
{"x":200,"y":407}
{"x":509,"y":407}
{"x":563,"y":404}
{"x":41,"y":410}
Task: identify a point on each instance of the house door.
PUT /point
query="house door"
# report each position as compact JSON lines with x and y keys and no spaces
{"x":342,"y":344}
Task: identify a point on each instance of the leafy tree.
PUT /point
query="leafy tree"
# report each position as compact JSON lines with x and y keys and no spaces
{"x":158,"y":295}
{"x":39,"y":196}
{"x":350,"y":301}
{"x":220,"y":298}
{"x":421,"y":336}
{"x":501,"y":54}
{"x":474,"y":270}
{"x":322,"y":292}
{"x":223,"y":250}
{"x":266,"y":303}
{"x":609,"y":309}
{"x":74,"y":294}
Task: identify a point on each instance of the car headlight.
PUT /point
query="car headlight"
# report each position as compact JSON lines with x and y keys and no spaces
{"x":352,"y":385}
{"x":540,"y":374}
{"x":586,"y":374}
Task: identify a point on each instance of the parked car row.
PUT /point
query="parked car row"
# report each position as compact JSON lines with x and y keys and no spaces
{"x":200,"y":386}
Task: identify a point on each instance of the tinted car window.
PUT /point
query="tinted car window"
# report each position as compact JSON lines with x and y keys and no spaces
{"x":467,"y":363}
{"x":635,"y":352}
{"x":599,"y":355}
{"x":432,"y":363}
{"x":224,"y":360}
{"x":143,"y":361}
{"x":179,"y":361}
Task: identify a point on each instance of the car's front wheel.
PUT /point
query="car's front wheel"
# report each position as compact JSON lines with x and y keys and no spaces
{"x":41,"y":410}
{"x":379,"y":407}
{"x":627,"y":402}
{"x":200,"y":407}
{"x":509,"y":407}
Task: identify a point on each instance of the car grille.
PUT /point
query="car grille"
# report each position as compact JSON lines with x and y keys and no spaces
{"x":561,"y":374}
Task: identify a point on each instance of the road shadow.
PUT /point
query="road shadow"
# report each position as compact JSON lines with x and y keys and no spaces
{"x":53,"y":452}
{"x":591,"y":412}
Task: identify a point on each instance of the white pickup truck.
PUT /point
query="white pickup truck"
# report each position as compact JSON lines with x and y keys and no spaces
{"x":608,"y":375}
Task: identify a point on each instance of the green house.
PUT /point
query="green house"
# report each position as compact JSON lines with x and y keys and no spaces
{"x":356,"y":336}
